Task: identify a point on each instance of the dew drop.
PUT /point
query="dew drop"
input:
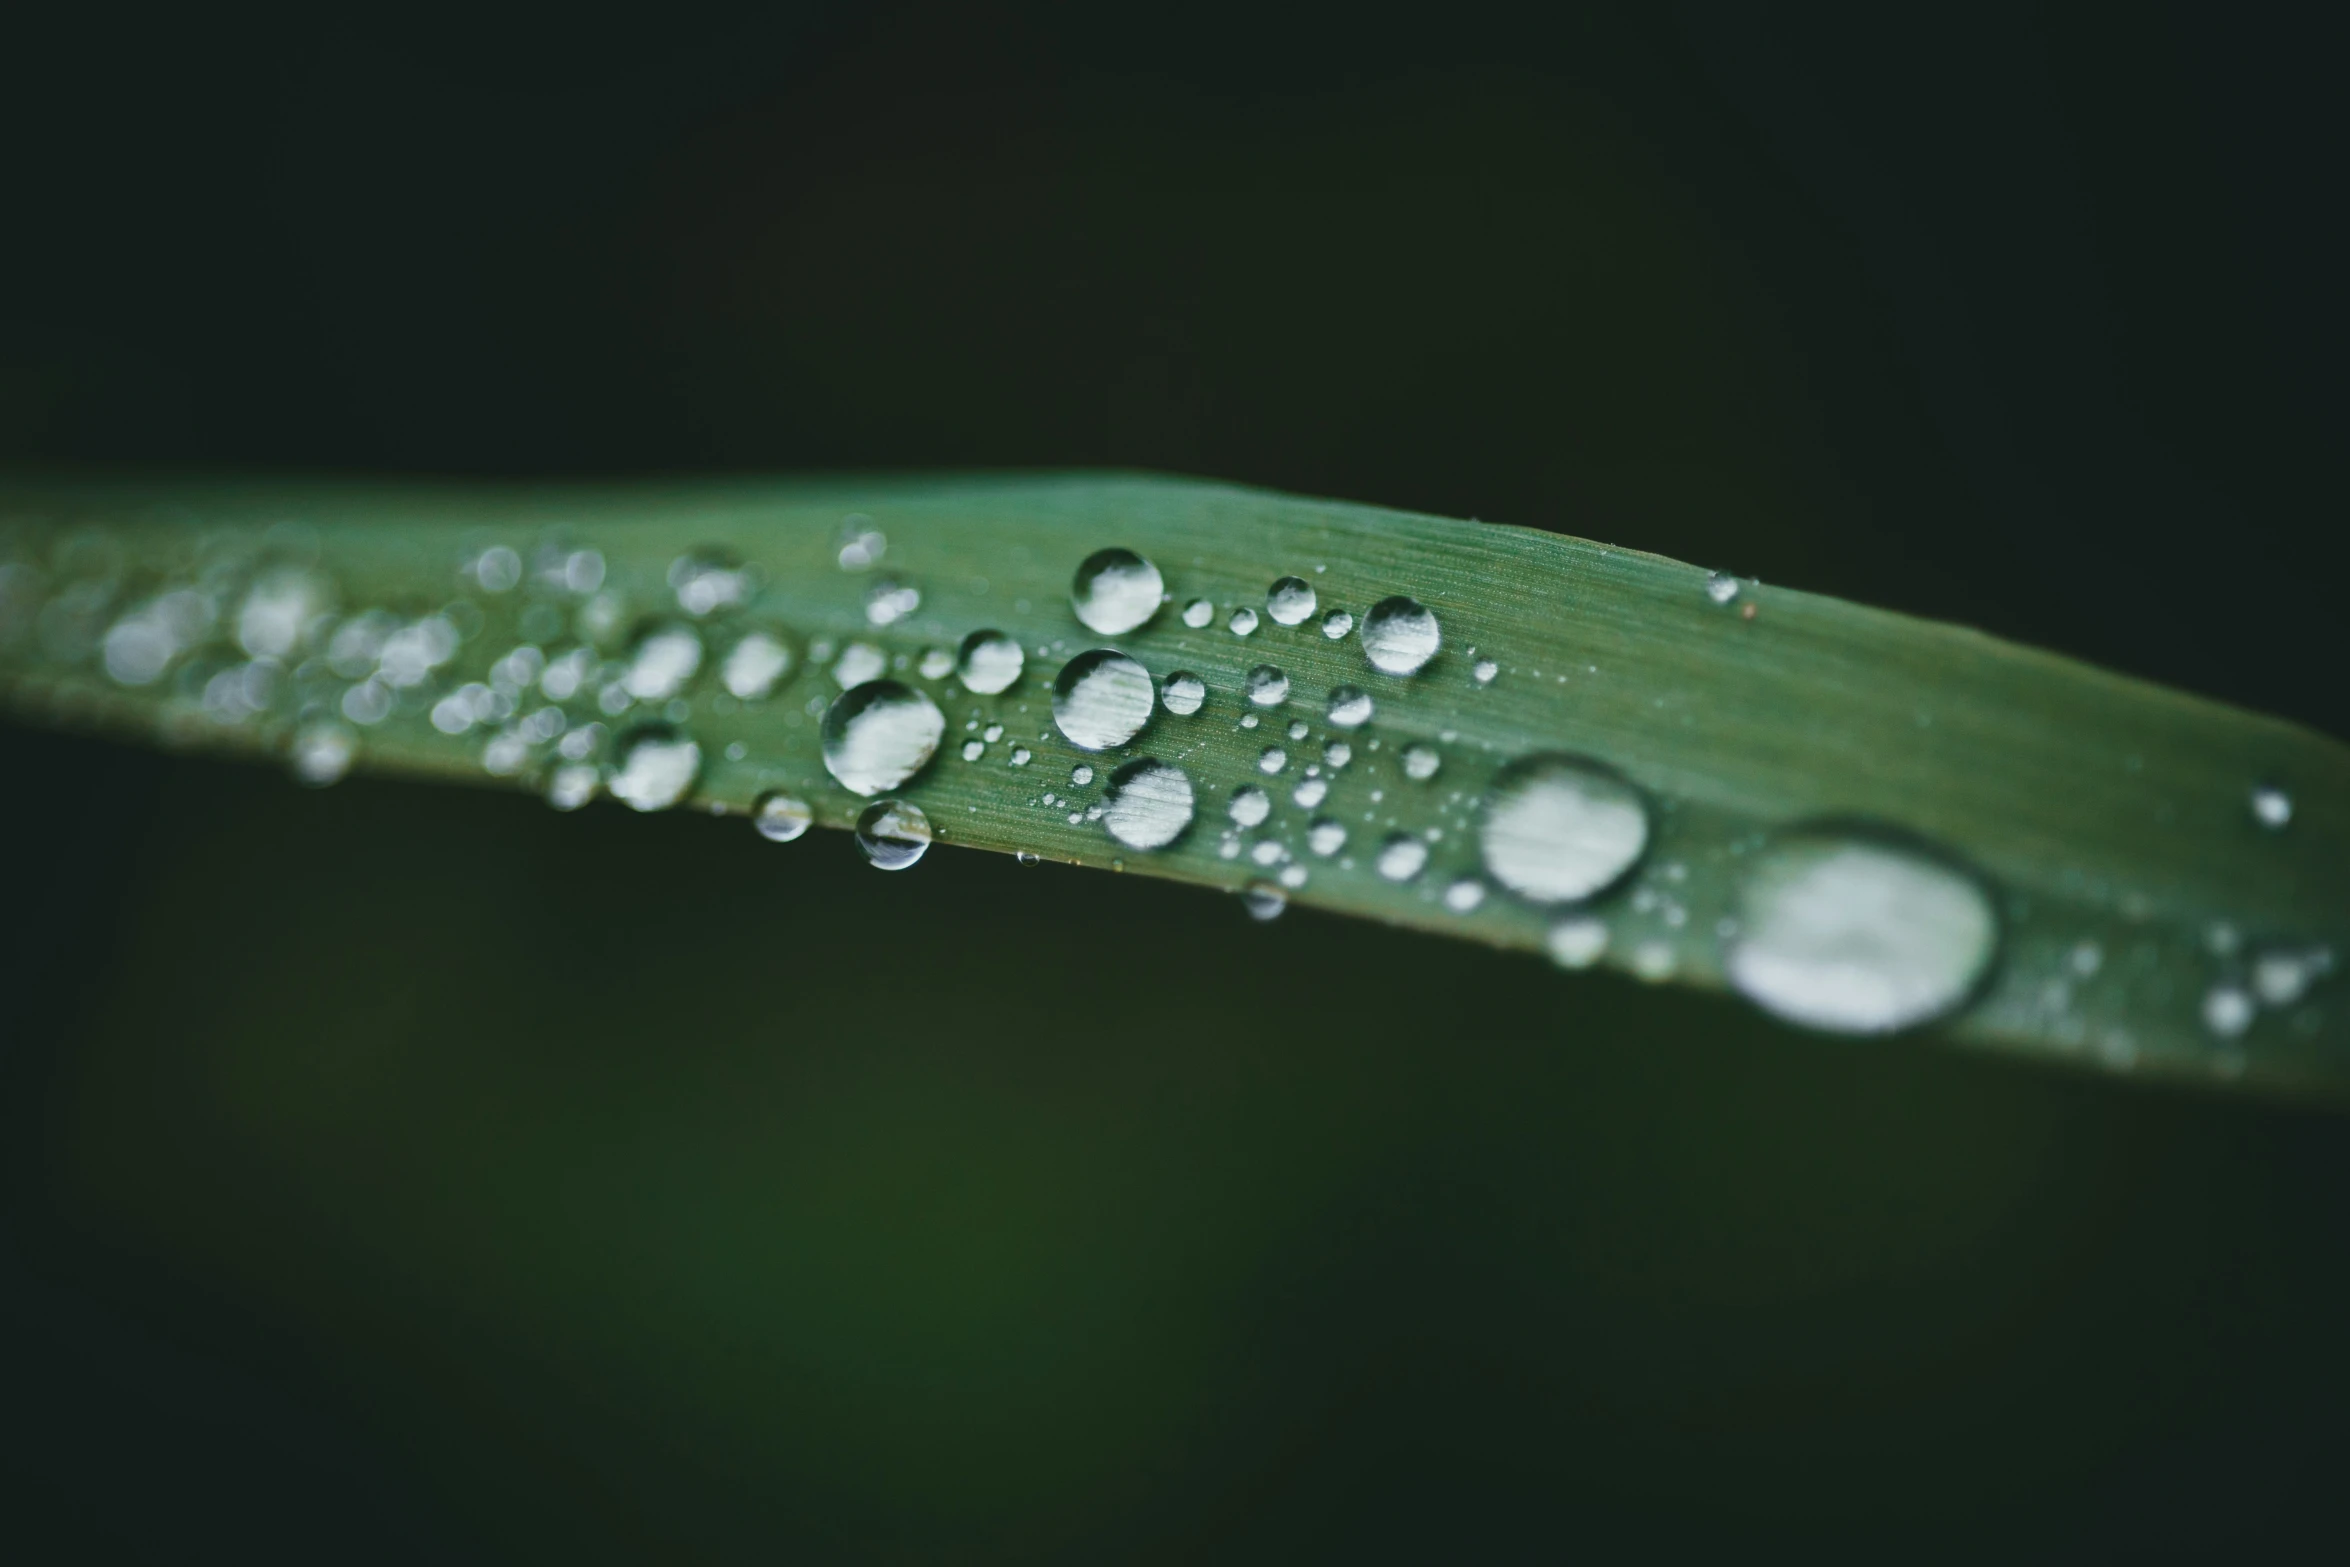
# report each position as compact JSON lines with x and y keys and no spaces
{"x":1400,"y":635}
{"x":1560,"y":829}
{"x":706,"y":581}
{"x":1116,"y":591}
{"x":322,"y":753}
{"x":973,"y":750}
{"x":1420,"y":762}
{"x":657,"y":769}
{"x":1401,"y":857}
{"x":1464,"y":894}
{"x":1721,"y":587}
{"x":2227,"y":1011}
{"x":1298,"y":730}
{"x":937,"y":663}
{"x":278,"y":609}
{"x":859,"y":545}
{"x":1350,"y":706}
{"x":2272,"y":807}
{"x":1250,"y":805}
{"x":992,"y":733}
{"x":1148,"y":804}
{"x":1101,"y":699}
{"x":1337,"y":624}
{"x":889,"y":601}
{"x":1267,"y":686}
{"x":858,"y":663}
{"x":1182,"y":693}
{"x":664,"y":659}
{"x":1325,"y":836}
{"x":1243,"y":621}
{"x":1020,"y":756}
{"x":1576,"y":942}
{"x":892,"y":834}
{"x":572,"y":785}
{"x":1337,"y":754}
{"x":1272,"y":759}
{"x":1290,"y":601}
{"x":1198,"y":613}
{"x":755,"y":665}
{"x":990,"y":662}
{"x":879,"y":734}
{"x":1310,"y":792}
{"x":1653,"y":961}
{"x":1484,"y":671}
{"x":1859,"y":935}
{"x":781,"y":817}
{"x":1081,"y":774}
{"x":1264,"y":900}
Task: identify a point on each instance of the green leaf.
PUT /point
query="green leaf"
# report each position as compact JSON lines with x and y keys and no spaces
{"x":1861,"y":820}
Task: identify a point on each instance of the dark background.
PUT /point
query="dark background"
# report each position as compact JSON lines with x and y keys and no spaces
{"x":400,"y":1172}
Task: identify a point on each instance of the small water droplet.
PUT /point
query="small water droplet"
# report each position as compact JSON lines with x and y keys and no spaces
{"x":892,"y":834}
{"x":1337,"y":624}
{"x":1250,"y":805}
{"x":1400,"y":635}
{"x":1290,"y":601}
{"x":1298,"y":729}
{"x":2272,"y":807}
{"x":1310,"y":792}
{"x":1325,"y":836}
{"x":1264,"y":900}
{"x":1267,"y":686}
{"x":1081,"y":774}
{"x":1420,"y":762}
{"x":1576,"y":942}
{"x":991,"y":662}
{"x":1020,"y":756}
{"x":1198,"y":613}
{"x":2281,"y":978}
{"x":1858,"y":934}
{"x":973,"y":750}
{"x":1243,"y":621}
{"x":1350,"y":706}
{"x":858,"y":663}
{"x":1653,"y":961}
{"x":992,"y":733}
{"x":279,"y":609}
{"x":877,"y":735}
{"x":664,"y":659}
{"x":755,"y":665}
{"x":2227,"y":1011}
{"x":1337,"y":753}
{"x":2087,"y":958}
{"x":1560,"y":829}
{"x":937,"y":663}
{"x":1102,"y":699}
{"x":859,"y":545}
{"x":657,"y":769}
{"x":1116,"y":591}
{"x":1721,"y":587}
{"x":1401,"y":857}
{"x":1027,"y":857}
{"x":1484,"y":671}
{"x":1182,"y":693}
{"x":1272,"y":759}
{"x":709,"y":580}
{"x":781,"y":817}
{"x":322,"y":753}
{"x":572,"y":785}
{"x":1464,"y":894}
{"x":889,"y":601}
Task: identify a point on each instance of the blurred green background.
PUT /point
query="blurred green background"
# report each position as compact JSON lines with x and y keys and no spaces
{"x":402,"y":1172}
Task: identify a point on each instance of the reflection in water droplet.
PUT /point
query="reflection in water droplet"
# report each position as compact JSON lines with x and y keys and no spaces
{"x":1420,"y":762}
{"x":879,"y":734}
{"x":1182,"y":693}
{"x":1465,"y":894}
{"x":1272,"y":759}
{"x":1198,"y":613}
{"x":1243,"y":621}
{"x":323,"y":753}
{"x":1116,"y":591}
{"x":664,"y":659}
{"x":1267,"y":686}
{"x":1263,"y":900}
{"x":1484,"y":671}
{"x":1148,"y":804}
{"x":1290,"y":601}
{"x":892,"y":834}
{"x":1310,"y":792}
{"x":889,"y":601}
{"x":1325,"y":836}
{"x":1859,"y":935}
{"x":1400,"y":635}
{"x":781,"y":817}
{"x":572,"y":785}
{"x":990,"y":662}
{"x":1559,"y":829}
{"x":657,"y":769}
{"x":1337,"y":624}
{"x":1401,"y":857}
{"x":1576,"y":941}
{"x":1101,"y":699}
{"x":755,"y":665}
{"x":1350,"y":706}
{"x":1721,"y":587}
{"x":1250,"y":805}
{"x":2272,"y":807}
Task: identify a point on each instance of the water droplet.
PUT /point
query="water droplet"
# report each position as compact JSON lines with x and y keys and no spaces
{"x":1464,"y":895}
{"x":1400,"y":635}
{"x":1116,"y":591}
{"x":2272,"y":807}
{"x":1721,"y":587}
{"x":1484,"y":671}
{"x":1576,"y":942}
{"x":1250,"y":805}
{"x":992,"y":733}
{"x":990,"y":662}
{"x":892,"y":834}
{"x":889,"y":601}
{"x":858,"y":663}
{"x":1350,"y":706}
{"x":781,"y":817}
{"x":1198,"y":613}
{"x":1268,"y":852}
{"x":1290,"y":601}
{"x":1248,"y":720}
{"x":1027,"y":857}
{"x":2227,"y":1011}
{"x":657,"y":769}
{"x":1102,"y":699}
{"x":937,"y":663}
{"x":2281,"y":978}
{"x":1020,"y":756}
{"x":1560,"y":829}
{"x":664,"y":659}
{"x":1325,"y":836}
{"x":754,"y":666}
{"x":1272,"y":759}
{"x":1337,"y":624}
{"x":323,"y":753}
{"x":1298,"y":729}
{"x":1267,"y":686}
{"x":1857,"y":934}
{"x":1401,"y":857}
{"x":279,"y":609}
{"x":1264,"y":900}
{"x":707,"y":581}
{"x":1243,"y":621}
{"x":1182,"y":693}
{"x":858,"y":545}
{"x":572,"y":785}
{"x":1420,"y":762}
{"x":1148,"y":804}
{"x":496,"y":569}
{"x":1653,"y":961}
{"x":879,"y":734}
{"x":973,"y":750}
{"x":1310,"y":792}
{"x":1338,"y":753}
{"x":1081,"y":774}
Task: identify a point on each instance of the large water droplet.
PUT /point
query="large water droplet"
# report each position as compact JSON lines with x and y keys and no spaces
{"x":1267,"y":686}
{"x":657,"y":769}
{"x":1559,"y":829}
{"x":1250,"y":805}
{"x":1182,"y":692}
{"x":892,"y":834}
{"x":1401,"y":857}
{"x":990,"y":661}
{"x":665,"y":658}
{"x":879,"y":734}
{"x":1350,"y":706}
{"x":781,"y":817}
{"x":322,"y":753}
{"x":1101,"y":699}
{"x":1290,"y":601}
{"x":1400,"y":635}
{"x":755,"y":665}
{"x":1859,"y":934}
{"x":2272,"y":807}
{"x":1116,"y":591}
{"x":1148,"y":804}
